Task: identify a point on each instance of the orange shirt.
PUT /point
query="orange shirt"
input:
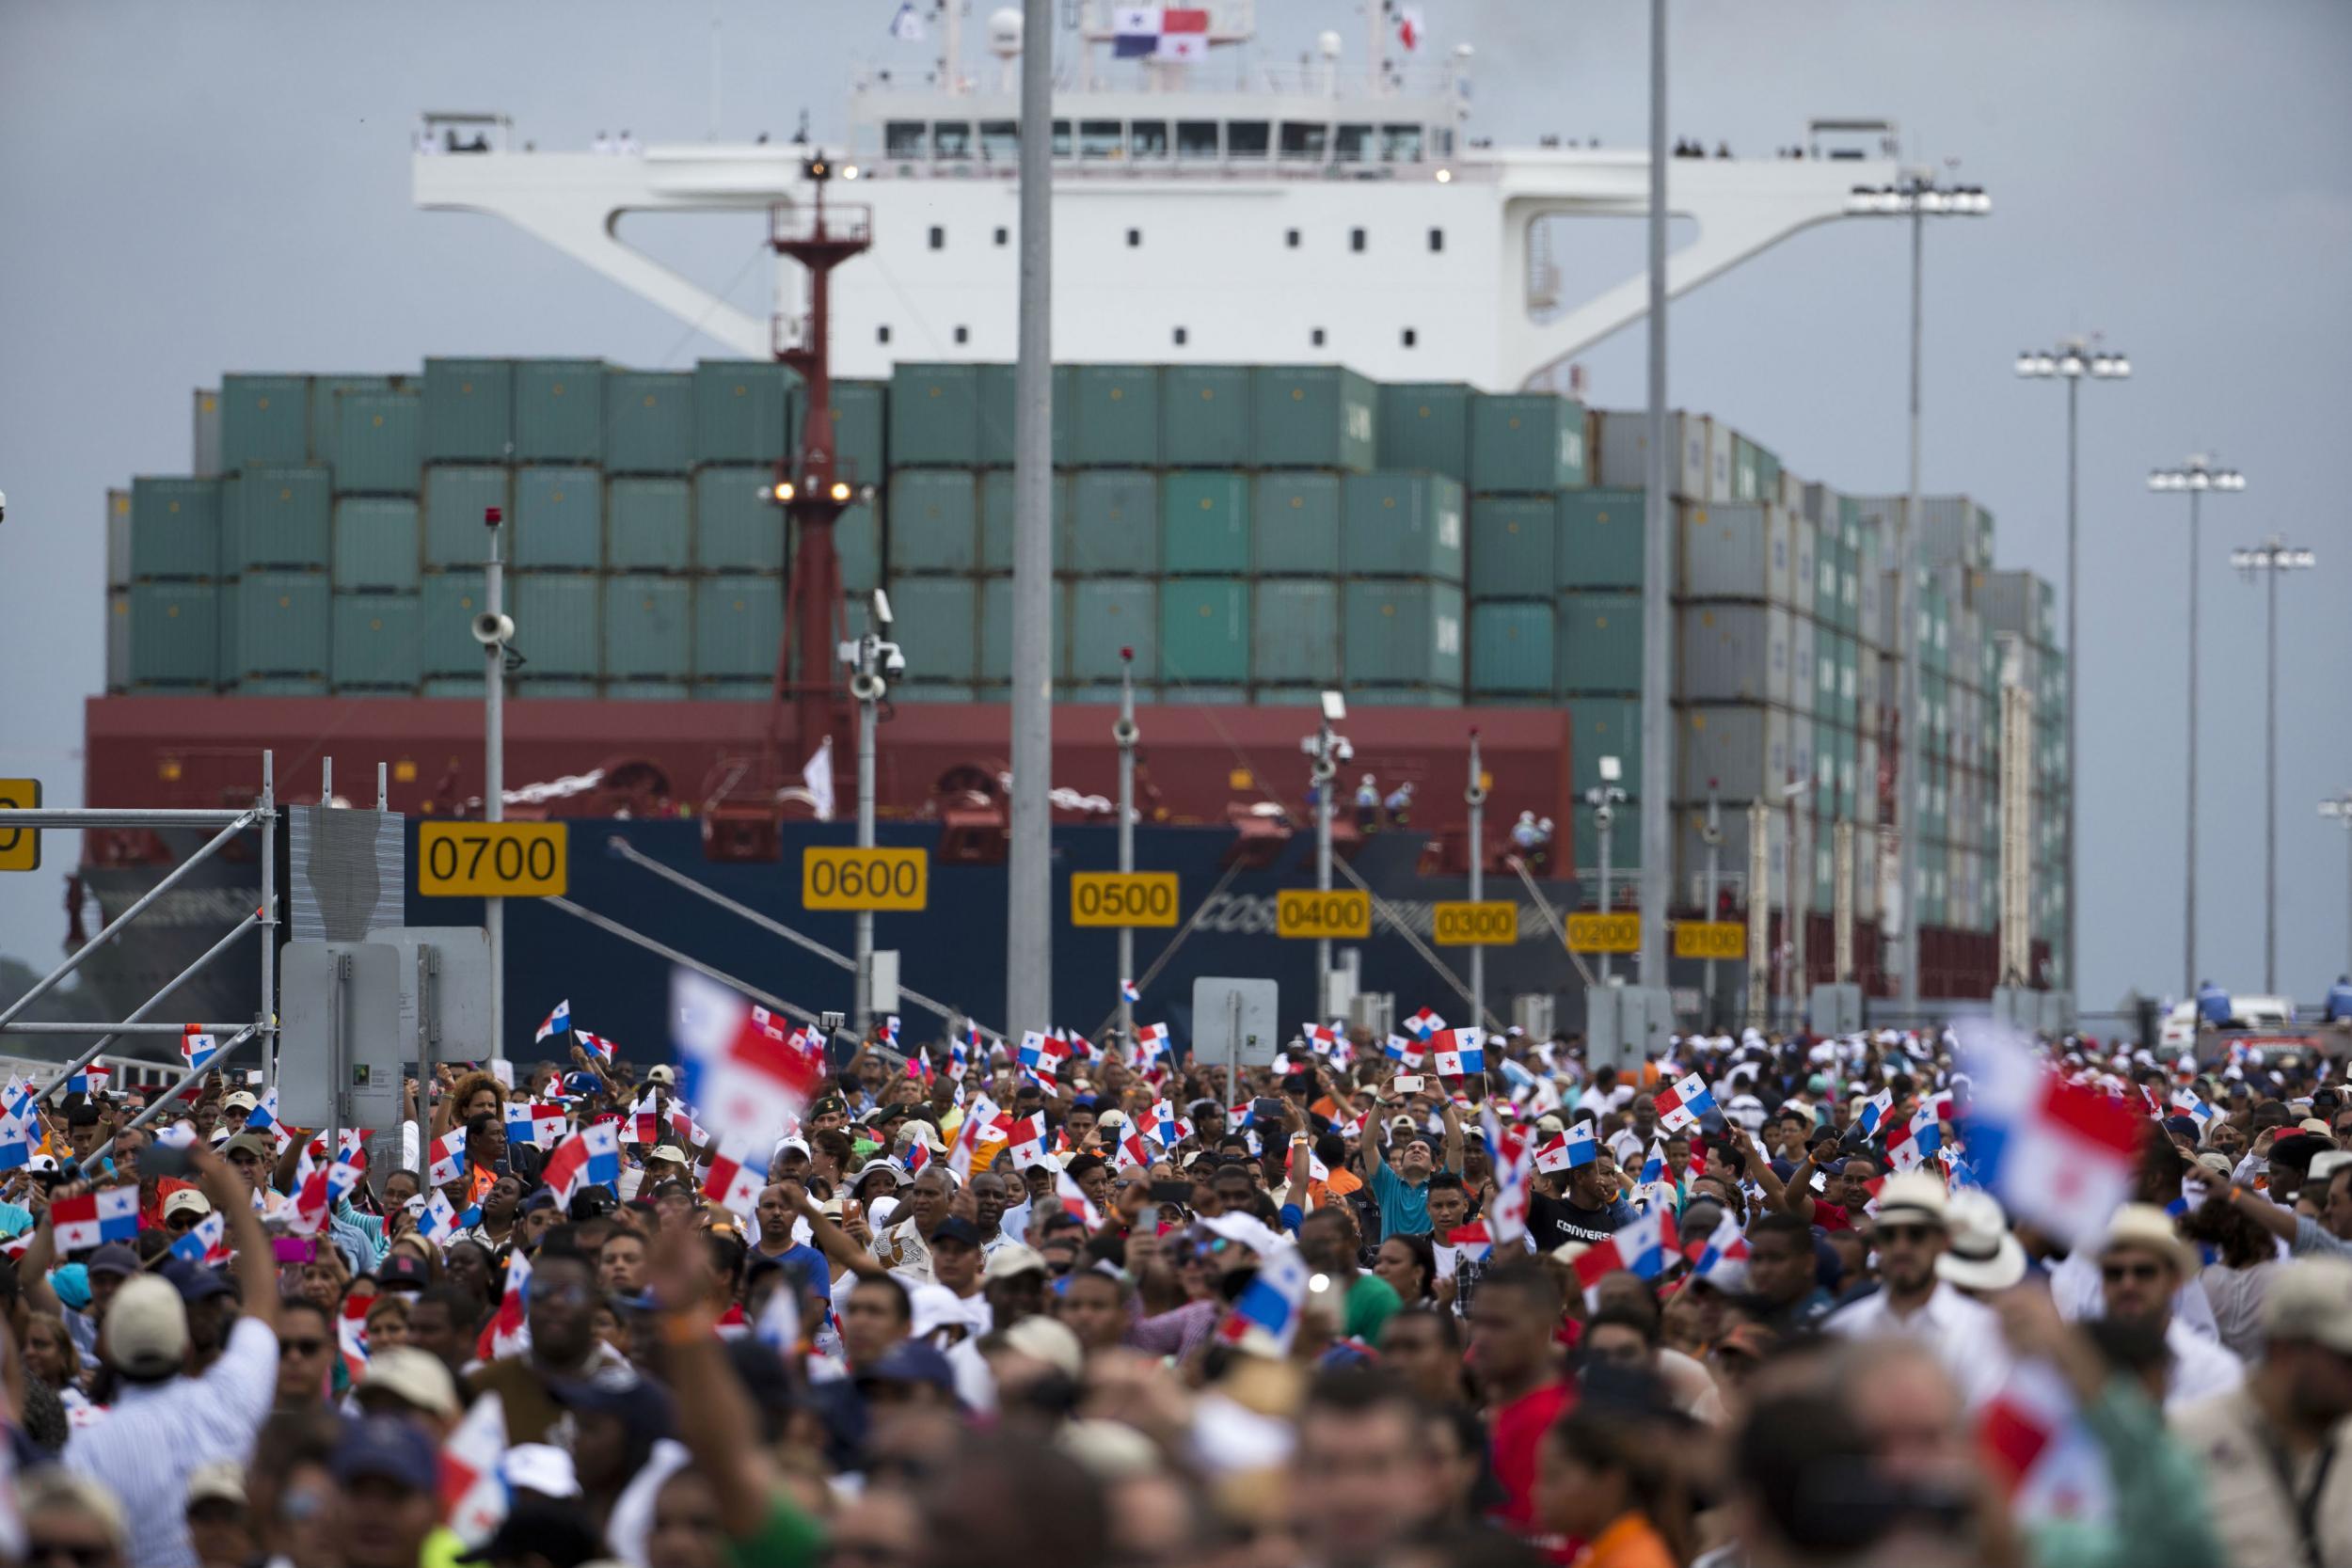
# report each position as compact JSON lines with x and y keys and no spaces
{"x":1627,"y":1542}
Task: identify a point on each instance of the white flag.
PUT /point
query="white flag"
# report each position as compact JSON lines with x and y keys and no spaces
{"x":818,"y":775}
{"x":907,"y":25}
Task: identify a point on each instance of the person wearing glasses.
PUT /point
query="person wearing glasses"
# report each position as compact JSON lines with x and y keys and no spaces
{"x":2142,"y":1262}
{"x":1913,"y":1302}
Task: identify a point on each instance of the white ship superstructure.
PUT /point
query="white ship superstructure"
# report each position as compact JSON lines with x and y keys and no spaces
{"x":1204,"y":210}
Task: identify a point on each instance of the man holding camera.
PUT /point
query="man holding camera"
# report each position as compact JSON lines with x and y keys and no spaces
{"x":1401,"y":1183}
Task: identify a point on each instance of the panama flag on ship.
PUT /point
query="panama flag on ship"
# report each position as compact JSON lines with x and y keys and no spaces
{"x":1161,"y":32}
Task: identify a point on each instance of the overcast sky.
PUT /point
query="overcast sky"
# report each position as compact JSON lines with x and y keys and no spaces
{"x":190,"y":186}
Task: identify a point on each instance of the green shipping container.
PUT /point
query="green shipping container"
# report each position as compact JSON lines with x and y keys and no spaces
{"x":739,"y":625}
{"x":375,"y":544}
{"x":378,"y":437}
{"x":1312,"y":417}
{"x":1294,"y":524}
{"x":935,"y":416}
{"x":277,"y":518}
{"x":1403,"y":525}
{"x":175,"y":636}
{"x":648,"y":632}
{"x":1105,"y":615}
{"x":448,"y":602}
{"x":1625,"y":851}
{"x":1601,"y":642}
{"x":994,"y":416}
{"x":225,"y":660}
{"x":647,"y":692}
{"x":455,"y":500}
{"x":469,"y":410}
{"x":175,"y":527}
{"x":326,"y":393}
{"x":1204,"y":633}
{"x":1116,"y":414}
{"x":1513,"y":553}
{"x":1600,"y":538}
{"x":934,"y":525}
{"x":263,"y":418}
{"x":937,"y":626}
{"x":648,"y":421}
{"x":467,"y":687}
{"x":1525,"y":443}
{"x":1511,"y":648}
{"x":559,"y":411}
{"x":995,"y":601}
{"x":279,"y":686}
{"x":375,"y":642}
{"x":996,"y":519}
{"x":857,"y":544}
{"x":562,"y":688}
{"x":745,"y":411}
{"x":1605,"y":727}
{"x":1424,"y":425}
{"x":859,"y":414}
{"x":1114,"y":524}
{"x":281,"y":626}
{"x":1295,"y":633}
{"x":1204,"y":522}
{"x":739,"y":527}
{"x":645,"y":528}
{"x":558,"y":519}
{"x":1405,"y":633}
{"x":1404,"y":696}
{"x":556,"y":624}
{"x":1205,"y":416}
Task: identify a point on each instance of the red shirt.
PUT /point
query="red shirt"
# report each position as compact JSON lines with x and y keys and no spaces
{"x":1829,"y":1216}
{"x":1519,"y":1429}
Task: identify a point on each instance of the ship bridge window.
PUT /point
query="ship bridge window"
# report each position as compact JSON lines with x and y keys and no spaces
{"x":1000,"y":141}
{"x":1148,"y":138}
{"x":1304,"y":142}
{"x":952,"y":138}
{"x":1353,"y":143}
{"x":1061,"y":138}
{"x":1400,"y":144}
{"x":1102,"y":138}
{"x":1196,"y":138}
{"x":903,"y":138}
{"x":1245,"y":138}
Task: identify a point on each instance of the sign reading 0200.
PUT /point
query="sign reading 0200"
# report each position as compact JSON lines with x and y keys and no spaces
{"x":866,"y":878}
{"x":494,"y":860}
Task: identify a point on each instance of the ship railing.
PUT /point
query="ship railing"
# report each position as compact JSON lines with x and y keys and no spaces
{"x":449,"y":131}
{"x":796,"y":223}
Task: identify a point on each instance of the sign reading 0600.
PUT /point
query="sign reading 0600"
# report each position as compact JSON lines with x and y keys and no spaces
{"x":865,"y":878}
{"x":494,"y":860}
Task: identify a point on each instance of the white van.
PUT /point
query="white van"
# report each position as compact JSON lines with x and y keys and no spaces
{"x":2256,"y":1014}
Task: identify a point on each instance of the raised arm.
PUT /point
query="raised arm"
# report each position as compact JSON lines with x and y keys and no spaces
{"x":1795,"y":1196}
{"x":2271,"y":1215}
{"x":256,"y":1264}
{"x":1453,"y":1132}
{"x":830,"y":1238}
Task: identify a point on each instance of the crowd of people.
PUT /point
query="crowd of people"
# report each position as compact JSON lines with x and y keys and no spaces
{"x":1441,"y":1298}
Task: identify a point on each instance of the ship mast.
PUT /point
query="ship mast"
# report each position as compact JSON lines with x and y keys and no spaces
{"x":813,"y":485}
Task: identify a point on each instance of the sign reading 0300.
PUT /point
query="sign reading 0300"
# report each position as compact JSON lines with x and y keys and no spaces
{"x":1122,"y":898}
{"x":1303,"y":912}
{"x":866,"y":878}
{"x":1490,"y":923}
{"x":494,"y":860}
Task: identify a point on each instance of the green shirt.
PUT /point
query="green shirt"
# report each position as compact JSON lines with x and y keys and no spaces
{"x":1370,"y":1302}
{"x":787,"y":1538}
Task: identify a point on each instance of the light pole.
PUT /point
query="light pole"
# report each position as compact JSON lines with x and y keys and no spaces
{"x":1328,"y":750}
{"x":2340,"y":812}
{"x":869,"y":658}
{"x":1916,"y":195}
{"x":2073,"y":359}
{"x":2196,"y":477}
{"x":494,"y":630}
{"x":2273,"y":558}
{"x":1125,"y":733}
{"x":1474,"y":796}
{"x":1605,"y":797}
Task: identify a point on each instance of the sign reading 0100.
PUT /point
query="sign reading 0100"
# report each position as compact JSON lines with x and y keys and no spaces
{"x":866,"y":878}
{"x":494,"y":860}
{"x":1122,"y":898}
{"x":1304,"y":913}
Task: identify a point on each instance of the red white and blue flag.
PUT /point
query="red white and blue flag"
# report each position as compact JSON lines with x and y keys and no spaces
{"x":588,"y":1157}
{"x":1472,"y":1241}
{"x":196,"y":1048}
{"x":747,"y":1082}
{"x":16,"y":1142}
{"x":598,"y":1043}
{"x":1151,"y":1043}
{"x":1128,"y":993}
{"x":206,"y":1242}
{"x":1680,"y":1104}
{"x":93,"y":1219}
{"x":509,"y":1332}
{"x":1270,"y":1302}
{"x":1400,"y":1050}
{"x":2059,"y":1157}
{"x":1458,"y":1052}
{"x":448,"y":1157}
{"x":443,"y":1219}
{"x":1569,"y":1150}
{"x":1908,"y":1147}
{"x":1639,"y":1248}
{"x":1028,"y":1142}
{"x":89,"y":1081}
{"x":735,"y":1187}
{"x":1422,"y":1025}
{"x":1726,"y":1243}
{"x":264,"y":1117}
{"x":1874,"y":1111}
{"x":890,"y":1030}
{"x":474,"y":1494}
{"x":1160,"y":32}
{"x":1513,"y":1164}
{"x":558,"y":1021}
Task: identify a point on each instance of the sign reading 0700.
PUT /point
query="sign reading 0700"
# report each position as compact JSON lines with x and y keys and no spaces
{"x":865,"y":878}
{"x":494,"y":860}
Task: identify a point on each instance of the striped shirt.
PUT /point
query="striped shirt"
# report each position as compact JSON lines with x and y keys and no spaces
{"x":157,"y":1433}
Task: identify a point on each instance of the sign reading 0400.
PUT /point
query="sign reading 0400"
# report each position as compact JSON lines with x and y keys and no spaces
{"x":1122,"y":898}
{"x":20,"y":847}
{"x":865,"y":878}
{"x":494,"y":860}
{"x":1342,"y":912}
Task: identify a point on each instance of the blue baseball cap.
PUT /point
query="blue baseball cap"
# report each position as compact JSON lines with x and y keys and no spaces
{"x":388,"y":1449}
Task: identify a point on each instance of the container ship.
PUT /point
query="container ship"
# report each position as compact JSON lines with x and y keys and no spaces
{"x":1312,"y":432}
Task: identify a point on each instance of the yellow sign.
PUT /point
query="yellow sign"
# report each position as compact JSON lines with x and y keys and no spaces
{"x":1604,"y":933}
{"x":1122,"y":898}
{"x":494,"y":860}
{"x":865,"y":878}
{"x":1492,"y":924}
{"x":1340,"y":914}
{"x":1711,"y":939}
{"x":20,"y":847}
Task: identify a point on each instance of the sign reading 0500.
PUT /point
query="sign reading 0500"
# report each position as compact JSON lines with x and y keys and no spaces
{"x":865,"y":878}
{"x":1122,"y":898}
{"x":494,"y":860}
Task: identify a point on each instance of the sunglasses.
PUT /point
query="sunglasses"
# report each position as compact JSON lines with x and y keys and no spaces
{"x":2144,"y":1272}
{"x":184,"y":1220}
{"x":301,"y":1347}
{"x":82,"y":1554}
{"x":1905,"y":1233}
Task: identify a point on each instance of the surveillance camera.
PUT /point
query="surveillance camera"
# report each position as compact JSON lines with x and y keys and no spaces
{"x":1602,"y":816}
{"x":882,"y":608}
{"x":493,"y":630}
{"x":4,"y":506}
{"x":894,"y":662}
